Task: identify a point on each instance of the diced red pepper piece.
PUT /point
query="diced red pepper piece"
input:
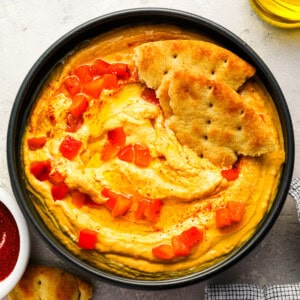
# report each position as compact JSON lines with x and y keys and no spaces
{"x":122,"y":206}
{"x":78,"y":198}
{"x":126,"y":153}
{"x":94,"y":88}
{"x":137,"y":153}
{"x":149,"y":209}
{"x":72,"y":84}
{"x":109,"y":151}
{"x":99,"y":67}
{"x":152,"y":210}
{"x":84,"y":73}
{"x":79,"y":105}
{"x":87,"y":239}
{"x":163,"y":251}
{"x":142,"y":156}
{"x":230,"y":174}
{"x":117,"y":136}
{"x":179,"y":246}
{"x":73,"y":123}
{"x":41,"y":169}
{"x":119,"y":204}
{"x":236,"y":210}
{"x":56,"y":177}
{"x":116,"y":140}
{"x":77,"y":108}
{"x":110,"y":203}
{"x":120,"y":69}
{"x":150,"y":96}
{"x":70,"y":147}
{"x":110,"y":81}
{"x":222,"y":217}
{"x":192,"y":236}
{"x":232,"y":213}
{"x":111,"y":198}
{"x":140,"y":211}
{"x":36,"y":143}
{"x":59,"y":191}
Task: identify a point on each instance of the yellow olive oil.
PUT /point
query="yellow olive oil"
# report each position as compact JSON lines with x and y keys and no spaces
{"x":282,"y":13}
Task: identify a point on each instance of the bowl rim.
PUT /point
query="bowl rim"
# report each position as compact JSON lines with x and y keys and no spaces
{"x":114,"y":20}
{"x":12,"y":279}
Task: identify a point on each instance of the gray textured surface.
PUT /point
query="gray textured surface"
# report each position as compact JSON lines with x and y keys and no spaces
{"x":28,"y":27}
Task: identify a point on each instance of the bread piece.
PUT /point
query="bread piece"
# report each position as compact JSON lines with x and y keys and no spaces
{"x":45,"y":283}
{"x":157,"y":60}
{"x":214,"y":120}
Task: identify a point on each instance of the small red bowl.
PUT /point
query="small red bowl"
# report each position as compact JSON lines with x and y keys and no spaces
{"x":11,"y":207}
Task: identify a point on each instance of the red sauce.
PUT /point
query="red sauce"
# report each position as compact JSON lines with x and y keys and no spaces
{"x":9,"y":242}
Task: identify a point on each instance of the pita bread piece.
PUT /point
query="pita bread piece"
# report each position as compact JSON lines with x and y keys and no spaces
{"x":157,"y":60}
{"x":44,"y":283}
{"x":212,"y":119}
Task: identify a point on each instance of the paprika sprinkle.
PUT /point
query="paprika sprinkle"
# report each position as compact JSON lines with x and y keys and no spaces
{"x":9,"y":242}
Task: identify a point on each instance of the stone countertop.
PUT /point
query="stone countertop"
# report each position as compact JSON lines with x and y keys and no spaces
{"x":28,"y":28}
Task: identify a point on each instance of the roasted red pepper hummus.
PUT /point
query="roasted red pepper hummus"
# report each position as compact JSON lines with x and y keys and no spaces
{"x":153,"y":153}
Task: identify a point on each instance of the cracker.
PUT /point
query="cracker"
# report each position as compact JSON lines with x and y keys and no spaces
{"x":44,"y":283}
{"x":157,"y":60}
{"x":213,"y":120}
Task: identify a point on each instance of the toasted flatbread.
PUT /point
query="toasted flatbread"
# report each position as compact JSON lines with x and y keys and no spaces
{"x":44,"y":283}
{"x":212,"y":119}
{"x":157,"y":60}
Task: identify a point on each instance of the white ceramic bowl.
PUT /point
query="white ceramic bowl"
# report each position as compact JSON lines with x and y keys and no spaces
{"x":12,"y":279}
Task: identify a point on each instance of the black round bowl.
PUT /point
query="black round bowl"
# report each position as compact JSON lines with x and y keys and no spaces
{"x":39,"y":72}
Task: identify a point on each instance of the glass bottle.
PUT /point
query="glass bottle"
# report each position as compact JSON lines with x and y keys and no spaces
{"x":282,"y":13}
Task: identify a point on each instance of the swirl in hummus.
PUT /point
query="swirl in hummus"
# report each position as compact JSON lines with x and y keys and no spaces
{"x":152,"y":153}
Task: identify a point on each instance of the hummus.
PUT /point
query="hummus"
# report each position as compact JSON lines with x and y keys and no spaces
{"x":74,"y":168}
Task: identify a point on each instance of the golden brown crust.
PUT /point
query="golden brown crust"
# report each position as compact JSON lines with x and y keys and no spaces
{"x":196,"y":83}
{"x":156,"y":60}
{"x":213,"y":120}
{"x":43,"y":283}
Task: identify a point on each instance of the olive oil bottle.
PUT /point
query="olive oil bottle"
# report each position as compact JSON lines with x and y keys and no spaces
{"x":282,"y":13}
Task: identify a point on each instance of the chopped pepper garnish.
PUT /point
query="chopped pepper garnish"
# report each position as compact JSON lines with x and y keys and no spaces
{"x":126,"y":153}
{"x":70,"y":147}
{"x":149,"y":209}
{"x":94,"y":88}
{"x":117,"y":136}
{"x":150,"y":96}
{"x":79,"y":199}
{"x":84,"y":73}
{"x":181,"y":245}
{"x":163,"y":251}
{"x":79,"y":106}
{"x":231,"y":174}
{"x":56,"y":177}
{"x":87,"y":239}
{"x":41,"y":169}
{"x":99,"y":67}
{"x":142,"y":156}
{"x":72,"y":84}
{"x":118,"y":203}
{"x":109,"y":151}
{"x":232,"y":213}
{"x":36,"y":143}
{"x":59,"y":191}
